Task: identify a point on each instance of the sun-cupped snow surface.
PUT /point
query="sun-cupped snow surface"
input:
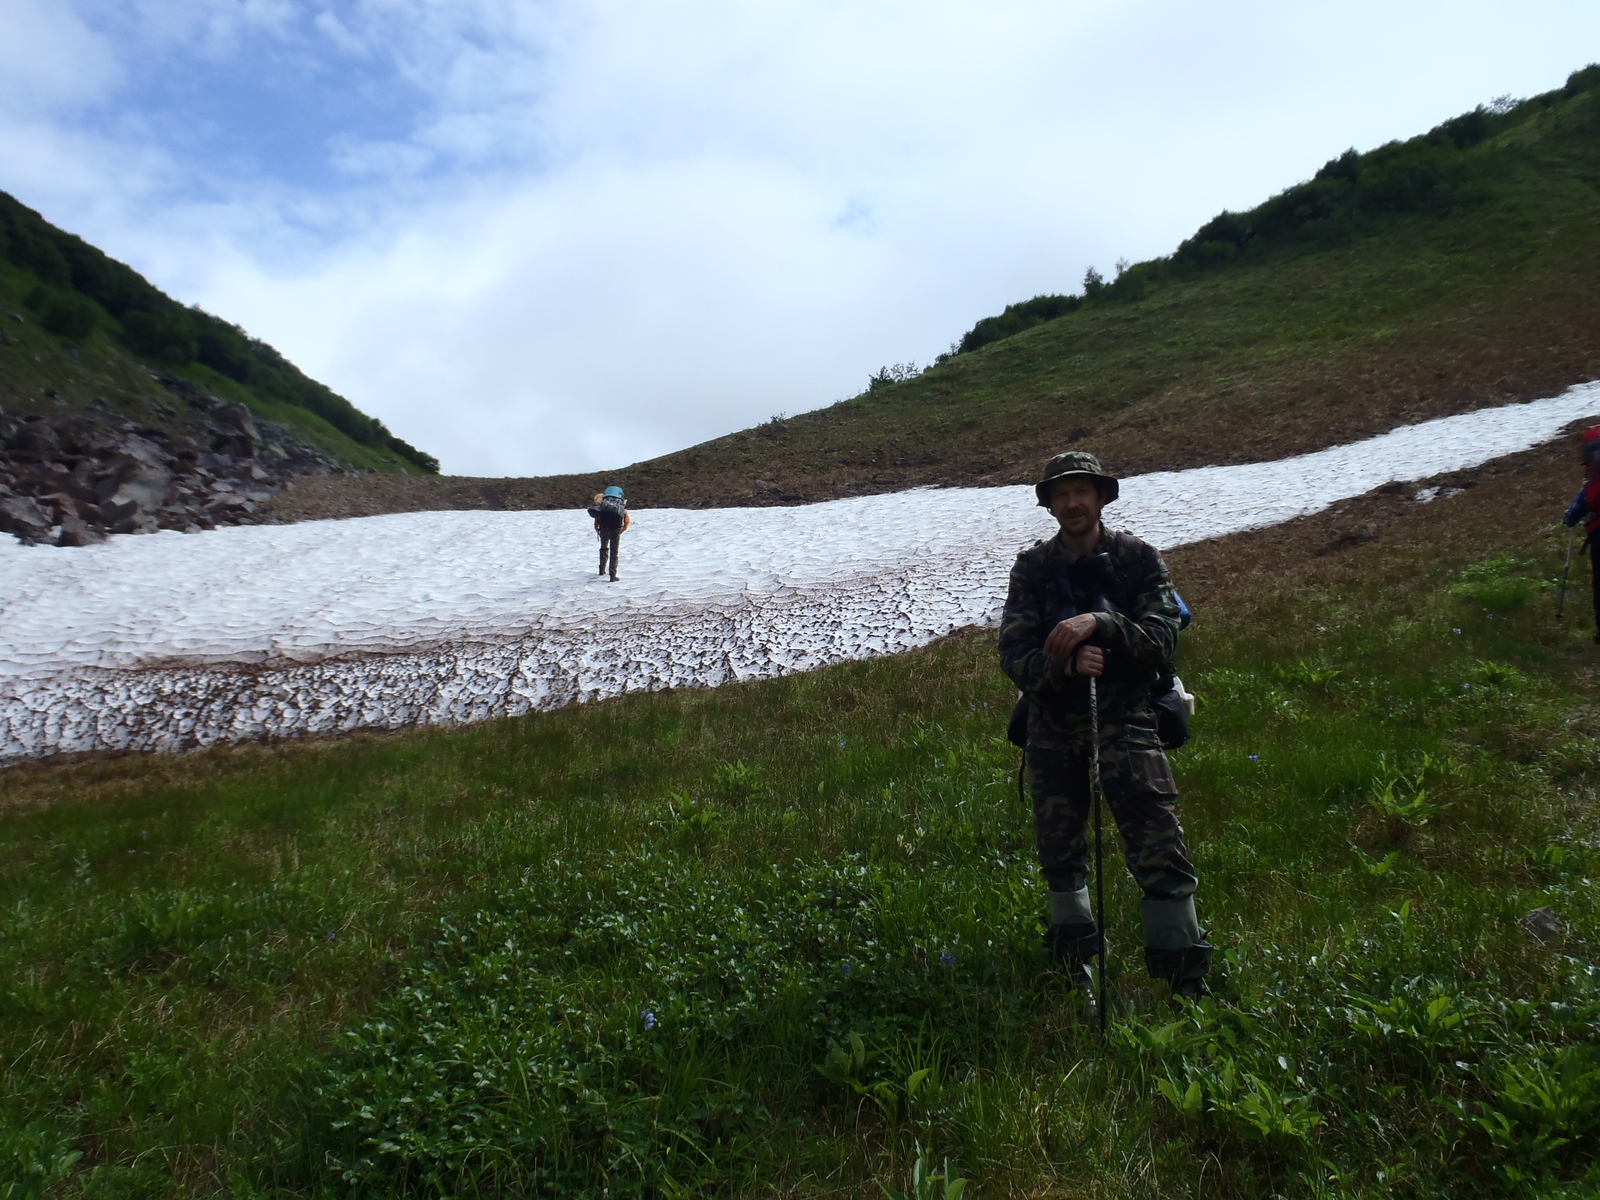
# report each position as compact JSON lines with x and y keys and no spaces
{"x":171,"y":641}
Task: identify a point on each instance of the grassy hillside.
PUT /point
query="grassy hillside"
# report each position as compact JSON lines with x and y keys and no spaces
{"x":783,"y":938}
{"x":1455,"y":270}
{"x":622,"y":949}
{"x":79,"y":326}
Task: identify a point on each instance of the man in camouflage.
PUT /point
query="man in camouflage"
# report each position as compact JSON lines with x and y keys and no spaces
{"x":1093,"y":602}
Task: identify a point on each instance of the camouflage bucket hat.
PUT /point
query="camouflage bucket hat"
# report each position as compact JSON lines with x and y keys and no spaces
{"x":1075,"y":462}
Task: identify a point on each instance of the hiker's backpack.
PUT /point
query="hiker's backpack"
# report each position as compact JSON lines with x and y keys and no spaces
{"x":1591,"y":475}
{"x":610,"y":513}
{"x":1171,"y":700}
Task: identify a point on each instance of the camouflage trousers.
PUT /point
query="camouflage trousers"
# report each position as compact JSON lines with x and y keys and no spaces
{"x":1139,"y":791}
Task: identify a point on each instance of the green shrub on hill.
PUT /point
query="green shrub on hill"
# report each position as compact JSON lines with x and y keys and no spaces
{"x":64,"y":313}
{"x":1018,"y":317}
{"x":1448,"y":168}
{"x":887,"y":376}
{"x":166,"y":338}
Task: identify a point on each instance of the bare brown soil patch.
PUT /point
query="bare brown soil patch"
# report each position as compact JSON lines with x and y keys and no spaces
{"x":996,"y":419}
{"x":1390,"y":538}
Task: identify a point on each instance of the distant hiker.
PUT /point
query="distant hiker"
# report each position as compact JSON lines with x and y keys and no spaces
{"x":611,"y":521}
{"x":1098,"y":602}
{"x":1587,"y":504}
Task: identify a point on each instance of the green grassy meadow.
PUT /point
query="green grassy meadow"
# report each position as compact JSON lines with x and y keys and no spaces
{"x":784,"y":937}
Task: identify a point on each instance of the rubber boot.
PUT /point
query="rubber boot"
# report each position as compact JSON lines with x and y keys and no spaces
{"x":1175,"y":947}
{"x":1073,"y":938}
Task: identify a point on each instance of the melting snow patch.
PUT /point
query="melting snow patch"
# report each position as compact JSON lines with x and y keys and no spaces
{"x":167,"y":642}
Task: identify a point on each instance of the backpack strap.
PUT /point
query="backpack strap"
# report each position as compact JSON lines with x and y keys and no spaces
{"x":1042,"y":586}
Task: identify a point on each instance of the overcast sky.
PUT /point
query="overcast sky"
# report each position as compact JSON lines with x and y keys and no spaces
{"x":538,"y":237}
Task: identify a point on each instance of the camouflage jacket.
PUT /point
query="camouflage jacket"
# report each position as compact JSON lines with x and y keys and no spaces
{"x":1139,"y":640}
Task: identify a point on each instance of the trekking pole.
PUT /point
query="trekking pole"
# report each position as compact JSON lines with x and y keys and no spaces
{"x":1561,"y":598}
{"x":1099,"y":871}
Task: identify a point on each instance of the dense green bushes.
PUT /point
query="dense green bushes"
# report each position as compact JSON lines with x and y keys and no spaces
{"x":1450,"y":167}
{"x":165,"y":338}
{"x":1016,"y":318}
{"x":78,"y":283}
{"x":64,"y":313}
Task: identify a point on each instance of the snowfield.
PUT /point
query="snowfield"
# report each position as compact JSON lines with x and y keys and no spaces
{"x":167,"y":641}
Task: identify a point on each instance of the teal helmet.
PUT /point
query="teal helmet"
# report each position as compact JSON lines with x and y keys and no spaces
{"x":614,"y":491}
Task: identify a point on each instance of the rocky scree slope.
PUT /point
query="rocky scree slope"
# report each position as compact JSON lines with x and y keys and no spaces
{"x":72,"y":479}
{"x":122,"y":410}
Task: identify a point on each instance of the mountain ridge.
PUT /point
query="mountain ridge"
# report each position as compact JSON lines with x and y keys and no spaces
{"x":100,"y":330}
{"x":1456,"y":270}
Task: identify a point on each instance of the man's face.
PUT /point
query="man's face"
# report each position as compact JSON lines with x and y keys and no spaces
{"x":1075,"y":503}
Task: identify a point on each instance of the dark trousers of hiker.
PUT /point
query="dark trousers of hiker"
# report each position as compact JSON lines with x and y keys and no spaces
{"x":609,"y":545}
{"x":1140,"y":793}
{"x":1594,"y":562}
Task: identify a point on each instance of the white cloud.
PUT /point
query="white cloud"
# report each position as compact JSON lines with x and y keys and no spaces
{"x":583,"y":234}
{"x":340,"y":35}
{"x":213,"y":29}
{"x":49,"y":60}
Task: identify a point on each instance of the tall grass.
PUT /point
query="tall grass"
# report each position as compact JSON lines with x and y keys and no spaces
{"x":785,"y":937}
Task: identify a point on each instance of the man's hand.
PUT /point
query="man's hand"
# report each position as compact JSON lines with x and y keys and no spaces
{"x":1068,"y":636}
{"x":1091,"y":660}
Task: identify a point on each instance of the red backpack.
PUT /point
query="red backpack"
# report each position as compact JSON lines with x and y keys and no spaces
{"x":1591,"y":476}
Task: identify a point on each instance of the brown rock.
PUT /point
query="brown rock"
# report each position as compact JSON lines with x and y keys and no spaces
{"x":48,"y":477}
{"x":146,"y":488}
{"x":239,"y":436}
{"x":89,"y":438}
{"x":77,"y":532}
{"x":22,"y":516}
{"x":113,"y":471}
{"x":60,"y":505}
{"x":36,"y":442}
{"x":138,"y":523}
{"x":143,"y":450}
